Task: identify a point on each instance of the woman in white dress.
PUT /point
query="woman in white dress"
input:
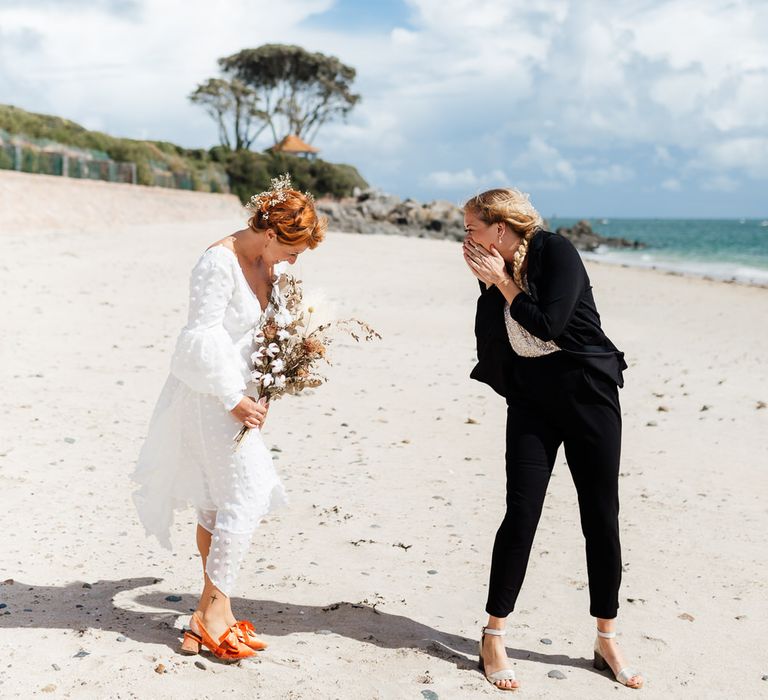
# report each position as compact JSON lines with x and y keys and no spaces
{"x":189,"y":455}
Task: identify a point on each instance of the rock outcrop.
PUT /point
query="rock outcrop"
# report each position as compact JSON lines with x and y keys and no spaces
{"x":370,"y":211}
{"x":584,"y":237}
{"x":374,"y":212}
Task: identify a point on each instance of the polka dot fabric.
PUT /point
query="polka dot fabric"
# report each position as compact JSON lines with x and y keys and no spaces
{"x":213,"y":349}
{"x":189,"y":455}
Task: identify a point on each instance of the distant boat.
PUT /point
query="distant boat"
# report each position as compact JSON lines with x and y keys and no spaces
{"x":742,"y":221}
{"x":764,"y":222}
{"x":604,"y":221}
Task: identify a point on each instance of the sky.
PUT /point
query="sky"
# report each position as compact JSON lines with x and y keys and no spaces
{"x":610,"y":108}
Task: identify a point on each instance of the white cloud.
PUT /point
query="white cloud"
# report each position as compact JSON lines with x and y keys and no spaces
{"x":544,"y":167}
{"x":544,"y":159}
{"x":466,"y":179}
{"x":721,"y":37}
{"x":404,"y":37}
{"x":682,"y":94}
{"x":609,"y":174}
{"x":746,"y":105}
{"x":707,"y":67}
{"x":748,"y":155}
{"x":126,"y":8}
{"x":672,"y":184}
{"x":446,"y":180}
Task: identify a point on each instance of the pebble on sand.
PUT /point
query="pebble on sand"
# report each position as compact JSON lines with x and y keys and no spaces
{"x":686,"y":616}
{"x":545,"y":641}
{"x":200,"y":665}
{"x":557,"y":674}
{"x":69,"y":440}
{"x":81,"y":654}
{"x":48,"y":688}
{"x":173,"y":598}
{"x":160,"y":668}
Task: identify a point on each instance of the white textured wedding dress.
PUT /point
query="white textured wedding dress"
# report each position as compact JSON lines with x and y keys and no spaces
{"x":189,"y":455}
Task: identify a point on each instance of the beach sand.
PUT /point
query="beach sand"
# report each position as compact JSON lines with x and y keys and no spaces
{"x":372,"y":582}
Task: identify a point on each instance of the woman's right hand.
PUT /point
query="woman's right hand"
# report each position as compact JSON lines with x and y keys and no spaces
{"x":250,"y":413}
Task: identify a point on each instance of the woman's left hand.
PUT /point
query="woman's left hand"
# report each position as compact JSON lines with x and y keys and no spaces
{"x":488,"y":266}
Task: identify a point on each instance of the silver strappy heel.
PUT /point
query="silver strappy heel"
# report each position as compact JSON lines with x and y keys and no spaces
{"x":601,"y":664}
{"x":505,"y":674}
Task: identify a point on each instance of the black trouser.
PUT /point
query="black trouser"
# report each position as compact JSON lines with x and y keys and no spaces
{"x":554,"y":400}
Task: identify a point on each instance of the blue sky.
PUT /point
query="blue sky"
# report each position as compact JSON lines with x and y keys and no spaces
{"x":357,"y":15}
{"x":625,"y":108}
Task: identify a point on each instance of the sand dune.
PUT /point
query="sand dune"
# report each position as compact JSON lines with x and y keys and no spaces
{"x":371,"y":584}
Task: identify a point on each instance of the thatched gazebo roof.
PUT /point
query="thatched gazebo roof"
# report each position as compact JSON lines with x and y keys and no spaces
{"x":293,"y":144}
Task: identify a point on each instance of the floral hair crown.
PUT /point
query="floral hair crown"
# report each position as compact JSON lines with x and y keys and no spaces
{"x":278,"y":193}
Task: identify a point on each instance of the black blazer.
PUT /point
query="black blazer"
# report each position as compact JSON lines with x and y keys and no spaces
{"x":560,"y":307}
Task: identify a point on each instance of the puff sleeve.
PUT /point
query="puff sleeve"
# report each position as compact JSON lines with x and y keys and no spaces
{"x":205,"y":358}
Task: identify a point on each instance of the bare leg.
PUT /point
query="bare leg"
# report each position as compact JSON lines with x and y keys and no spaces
{"x":612,"y":653}
{"x":494,"y":653}
{"x":209,"y":590}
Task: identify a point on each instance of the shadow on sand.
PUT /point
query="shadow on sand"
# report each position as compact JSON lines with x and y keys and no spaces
{"x":133,"y":607}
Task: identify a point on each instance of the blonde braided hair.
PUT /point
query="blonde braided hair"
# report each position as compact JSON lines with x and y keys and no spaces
{"x":514,"y":208}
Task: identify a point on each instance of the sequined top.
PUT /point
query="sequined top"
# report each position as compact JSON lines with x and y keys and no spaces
{"x":524,"y":343}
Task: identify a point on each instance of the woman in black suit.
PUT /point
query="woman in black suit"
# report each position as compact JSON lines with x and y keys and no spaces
{"x":540,"y":345}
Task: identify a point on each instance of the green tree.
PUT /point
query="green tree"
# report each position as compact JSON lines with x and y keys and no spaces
{"x":234,"y":107}
{"x":299,"y":91}
{"x":251,"y":172}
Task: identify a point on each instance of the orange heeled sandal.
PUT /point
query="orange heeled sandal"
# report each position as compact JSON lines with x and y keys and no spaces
{"x":246,"y":633}
{"x":191,"y":643}
{"x":227,"y":648}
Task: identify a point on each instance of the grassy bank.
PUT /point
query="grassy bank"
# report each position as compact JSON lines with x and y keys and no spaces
{"x":167,"y":164}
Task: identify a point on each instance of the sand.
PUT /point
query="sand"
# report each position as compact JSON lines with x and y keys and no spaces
{"x":372,"y":583}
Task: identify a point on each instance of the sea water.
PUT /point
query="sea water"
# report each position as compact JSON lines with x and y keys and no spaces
{"x":726,"y":249}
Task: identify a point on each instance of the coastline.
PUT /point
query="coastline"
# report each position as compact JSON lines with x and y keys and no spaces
{"x":730,"y":250}
{"x":755,"y":277}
